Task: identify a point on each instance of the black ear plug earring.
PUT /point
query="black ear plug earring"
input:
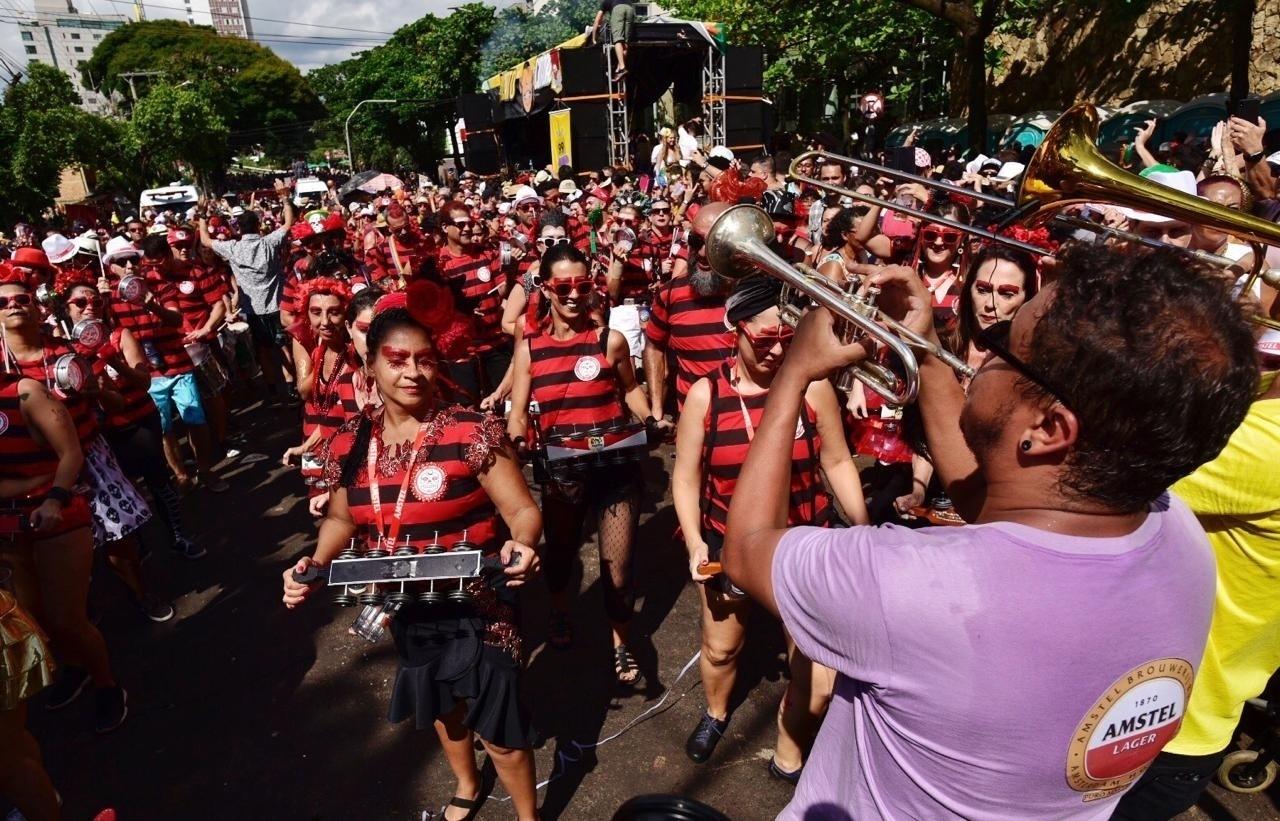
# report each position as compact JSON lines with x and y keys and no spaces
{"x":1026,"y":445}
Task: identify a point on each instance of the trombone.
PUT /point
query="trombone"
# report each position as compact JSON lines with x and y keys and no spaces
{"x":1068,"y":169}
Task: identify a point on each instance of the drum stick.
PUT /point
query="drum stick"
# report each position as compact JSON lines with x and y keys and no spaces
{"x":710,"y":569}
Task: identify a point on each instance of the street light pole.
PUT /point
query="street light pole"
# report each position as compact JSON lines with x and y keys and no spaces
{"x":346,"y":129}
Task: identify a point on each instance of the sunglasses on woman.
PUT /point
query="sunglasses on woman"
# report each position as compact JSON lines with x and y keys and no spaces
{"x":763,"y":340}
{"x":83,"y":302}
{"x":17,"y":301}
{"x":551,"y":242}
{"x":947,"y":235}
{"x":578,"y":286}
{"x":995,"y":339}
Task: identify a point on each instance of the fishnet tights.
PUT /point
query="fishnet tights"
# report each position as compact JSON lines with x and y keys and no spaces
{"x":616,"y":527}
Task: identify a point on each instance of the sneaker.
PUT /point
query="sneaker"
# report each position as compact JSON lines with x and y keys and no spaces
{"x":111,"y":707}
{"x":214,"y":484}
{"x":704,"y":738}
{"x":155,"y":610}
{"x":188,"y":549}
{"x":67,"y":688}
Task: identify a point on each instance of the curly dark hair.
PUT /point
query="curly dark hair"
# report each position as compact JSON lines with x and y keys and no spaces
{"x":1156,"y":360}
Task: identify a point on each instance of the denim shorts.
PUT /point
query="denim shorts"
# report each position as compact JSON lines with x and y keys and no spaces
{"x":178,"y":393}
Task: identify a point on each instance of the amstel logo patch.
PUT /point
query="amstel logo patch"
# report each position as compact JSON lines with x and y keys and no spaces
{"x":1125,"y":729}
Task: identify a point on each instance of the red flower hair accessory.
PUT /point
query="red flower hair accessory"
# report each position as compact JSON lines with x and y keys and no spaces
{"x":728,"y":187}
{"x":10,"y":275}
{"x":326,"y":285}
{"x":431,"y":305}
{"x":72,"y":278}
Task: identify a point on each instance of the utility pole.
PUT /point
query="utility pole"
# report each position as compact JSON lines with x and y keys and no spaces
{"x":129,"y":75}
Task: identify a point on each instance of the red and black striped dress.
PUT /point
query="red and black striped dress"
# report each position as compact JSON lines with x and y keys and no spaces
{"x":324,"y":409}
{"x":138,"y":404}
{"x":573,"y":382}
{"x":478,"y":275}
{"x":690,"y":327}
{"x":21,"y":457}
{"x":725,"y":444}
{"x":195,"y":303}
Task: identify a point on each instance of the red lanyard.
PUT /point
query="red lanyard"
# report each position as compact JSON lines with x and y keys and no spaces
{"x":375,"y":492}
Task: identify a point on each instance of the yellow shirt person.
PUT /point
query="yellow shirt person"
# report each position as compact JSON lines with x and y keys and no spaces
{"x":1236,"y":497}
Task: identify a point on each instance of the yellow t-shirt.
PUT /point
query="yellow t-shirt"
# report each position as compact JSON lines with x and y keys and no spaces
{"x":1236,"y":497}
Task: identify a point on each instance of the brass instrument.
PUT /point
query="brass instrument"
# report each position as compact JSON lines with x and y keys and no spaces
{"x":1068,"y":169}
{"x":738,"y":245}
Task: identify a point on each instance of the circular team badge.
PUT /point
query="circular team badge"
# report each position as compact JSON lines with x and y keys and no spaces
{"x":4,"y":423}
{"x":1127,"y":726}
{"x":483,"y":274}
{"x":430,"y":483}
{"x":586,"y":368}
{"x":187,"y":287}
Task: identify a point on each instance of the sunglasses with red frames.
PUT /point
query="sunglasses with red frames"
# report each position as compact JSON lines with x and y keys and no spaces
{"x":763,"y":341}
{"x":947,"y":235}
{"x":83,"y":302}
{"x":17,"y":301}
{"x":578,"y":286}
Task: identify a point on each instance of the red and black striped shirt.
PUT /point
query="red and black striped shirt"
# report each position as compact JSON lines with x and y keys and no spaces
{"x":83,"y":412}
{"x":20,"y":455}
{"x":477,"y":275}
{"x":725,"y":445}
{"x":690,"y":327}
{"x":444,"y":495}
{"x":138,"y":404}
{"x":194,"y":302}
{"x":412,"y":249}
{"x":573,"y":382}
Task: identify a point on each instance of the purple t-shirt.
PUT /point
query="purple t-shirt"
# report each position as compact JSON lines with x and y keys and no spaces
{"x":993,"y":671}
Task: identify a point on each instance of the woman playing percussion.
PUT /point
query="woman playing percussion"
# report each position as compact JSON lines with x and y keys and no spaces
{"x":716,"y":428}
{"x":45,"y":535}
{"x":418,"y":471}
{"x":576,"y":371}
{"x":323,"y":358}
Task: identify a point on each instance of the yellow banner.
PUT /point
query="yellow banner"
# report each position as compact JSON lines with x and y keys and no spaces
{"x":561,"y":141}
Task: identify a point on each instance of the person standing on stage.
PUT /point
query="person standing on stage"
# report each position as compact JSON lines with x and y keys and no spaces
{"x":1033,"y":663}
{"x":576,"y":371}
{"x":421,"y":471}
{"x":622,"y":20}
{"x":716,"y":428}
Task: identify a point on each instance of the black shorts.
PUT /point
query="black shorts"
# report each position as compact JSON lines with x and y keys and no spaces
{"x":266,"y":329}
{"x":597,"y":487}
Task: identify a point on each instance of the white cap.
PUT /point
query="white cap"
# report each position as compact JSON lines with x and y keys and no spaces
{"x":58,"y":248}
{"x":1010,"y":171}
{"x":236,"y":211}
{"x":721,"y":151}
{"x":504,"y":207}
{"x":1183,"y":181}
{"x":87,"y":243}
{"x":119,"y":248}
{"x":975,"y":165}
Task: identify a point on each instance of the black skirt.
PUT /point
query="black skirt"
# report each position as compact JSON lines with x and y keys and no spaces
{"x":444,"y":660}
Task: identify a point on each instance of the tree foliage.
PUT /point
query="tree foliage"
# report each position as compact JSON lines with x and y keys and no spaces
{"x":429,"y":62}
{"x":172,"y":127}
{"x":262,"y":99}
{"x":44,"y":131}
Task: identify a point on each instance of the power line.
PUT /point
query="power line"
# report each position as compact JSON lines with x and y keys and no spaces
{"x":263,"y":19}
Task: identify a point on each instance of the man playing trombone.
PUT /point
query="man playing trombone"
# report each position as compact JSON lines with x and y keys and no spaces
{"x":1033,"y":663}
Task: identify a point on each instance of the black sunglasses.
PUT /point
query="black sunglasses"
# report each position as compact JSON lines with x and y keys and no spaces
{"x":996,"y":339}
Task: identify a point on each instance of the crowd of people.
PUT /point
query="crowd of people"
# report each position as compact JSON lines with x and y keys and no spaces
{"x":995,"y":599}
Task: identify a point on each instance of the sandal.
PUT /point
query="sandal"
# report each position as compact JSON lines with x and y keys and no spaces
{"x":471,"y":805}
{"x":624,"y":665}
{"x":792,"y":777}
{"x":560,"y":630}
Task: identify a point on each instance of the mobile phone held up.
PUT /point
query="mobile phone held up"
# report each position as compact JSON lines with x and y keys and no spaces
{"x":1248,"y":109}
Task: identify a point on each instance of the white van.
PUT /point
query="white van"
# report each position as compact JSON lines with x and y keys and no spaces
{"x":174,"y":197}
{"x":309,"y":188}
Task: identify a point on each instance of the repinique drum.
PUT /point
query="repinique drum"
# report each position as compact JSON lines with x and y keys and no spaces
{"x":132,"y":289}
{"x":89,"y":334}
{"x":70,"y":373}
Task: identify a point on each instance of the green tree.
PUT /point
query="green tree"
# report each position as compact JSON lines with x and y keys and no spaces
{"x":426,"y":63}
{"x":263,"y":99}
{"x":173,"y":127}
{"x":44,"y":131}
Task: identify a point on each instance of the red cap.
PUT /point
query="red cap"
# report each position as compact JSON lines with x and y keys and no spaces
{"x":180,"y":237}
{"x":31,"y":257}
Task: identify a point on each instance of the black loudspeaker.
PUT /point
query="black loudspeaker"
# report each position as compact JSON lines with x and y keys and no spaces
{"x":743,"y":70}
{"x":589,"y":130}
{"x":476,"y":110}
{"x":582,"y":72}
{"x":744,"y":125}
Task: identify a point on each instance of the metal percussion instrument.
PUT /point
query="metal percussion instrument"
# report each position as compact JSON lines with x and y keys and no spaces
{"x":132,"y":289}
{"x":400,"y":597}
{"x":567,"y":454}
{"x":89,"y":334}
{"x":463,"y":545}
{"x":70,"y":373}
{"x":369,"y":572}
